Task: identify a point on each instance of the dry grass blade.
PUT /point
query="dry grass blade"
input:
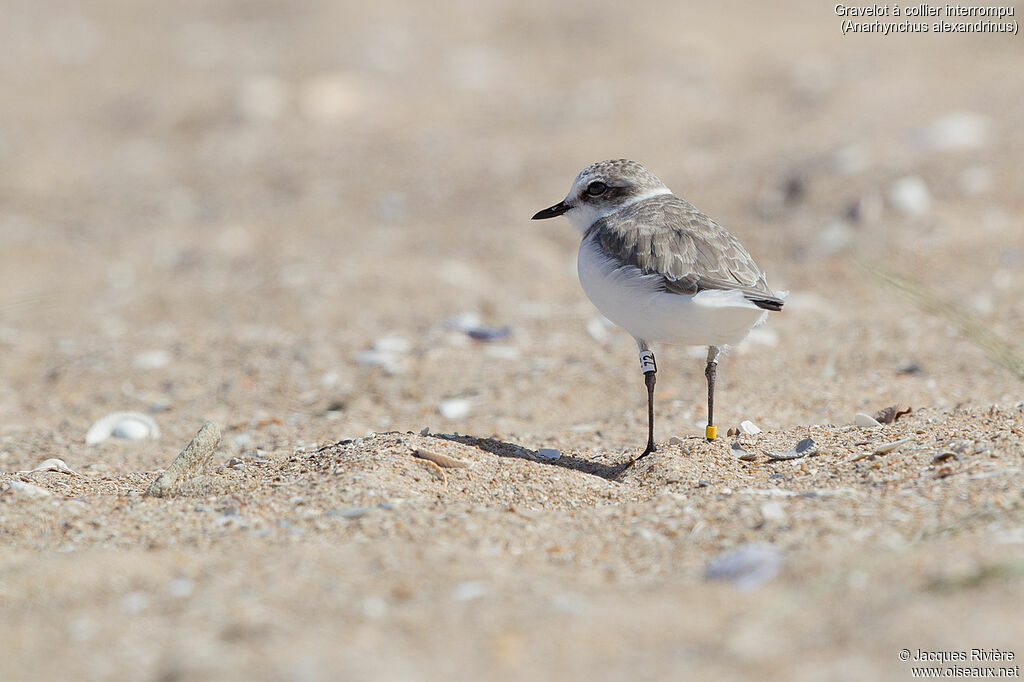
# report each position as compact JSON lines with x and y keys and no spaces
{"x":994,"y":346}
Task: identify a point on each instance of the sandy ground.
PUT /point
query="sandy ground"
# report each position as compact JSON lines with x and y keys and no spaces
{"x":285,"y":219}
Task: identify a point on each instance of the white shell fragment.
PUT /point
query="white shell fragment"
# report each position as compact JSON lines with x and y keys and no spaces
{"x":440,"y":459}
{"x":454,"y":408}
{"x":959,"y":130}
{"x":750,"y":428}
{"x":388,"y":352}
{"x":26,"y":490}
{"x":52,"y":464}
{"x":883,"y":449}
{"x":886,"y":448}
{"x":599,"y":327}
{"x":128,"y":425}
{"x":746,"y":566}
{"x":151,"y":359}
{"x":910,"y":195}
{"x":866,"y":421}
{"x":549,"y":454}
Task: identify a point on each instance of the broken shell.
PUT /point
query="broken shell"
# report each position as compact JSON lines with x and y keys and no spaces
{"x":892,"y":413}
{"x":750,"y":428}
{"x":440,"y":459}
{"x":805,"y":448}
{"x":548,"y":454}
{"x":866,"y":421}
{"x":26,"y":489}
{"x":737,"y":451}
{"x":52,"y":464}
{"x":128,"y":425}
{"x":886,"y":448}
{"x":883,"y":449}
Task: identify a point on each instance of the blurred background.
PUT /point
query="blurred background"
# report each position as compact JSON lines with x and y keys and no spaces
{"x":305,"y":212}
{"x":310,"y":221}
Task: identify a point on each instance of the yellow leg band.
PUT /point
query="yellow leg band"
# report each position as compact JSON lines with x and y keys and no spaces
{"x":711,"y":432}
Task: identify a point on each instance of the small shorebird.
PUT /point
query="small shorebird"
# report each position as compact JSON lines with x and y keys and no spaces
{"x":662,"y":270}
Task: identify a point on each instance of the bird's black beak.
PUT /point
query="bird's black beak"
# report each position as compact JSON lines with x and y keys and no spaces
{"x":552,"y":212}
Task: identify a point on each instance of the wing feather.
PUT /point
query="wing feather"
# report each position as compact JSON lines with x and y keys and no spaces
{"x":668,"y":236}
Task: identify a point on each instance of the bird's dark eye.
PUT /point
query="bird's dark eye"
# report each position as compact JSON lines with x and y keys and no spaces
{"x":596,"y":188}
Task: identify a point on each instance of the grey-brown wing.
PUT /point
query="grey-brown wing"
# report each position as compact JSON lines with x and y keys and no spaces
{"x":668,"y":236}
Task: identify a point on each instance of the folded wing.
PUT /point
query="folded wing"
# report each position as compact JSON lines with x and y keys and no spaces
{"x":668,"y":236}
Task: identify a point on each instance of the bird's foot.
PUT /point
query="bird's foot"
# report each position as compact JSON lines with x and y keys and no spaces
{"x":648,"y":450}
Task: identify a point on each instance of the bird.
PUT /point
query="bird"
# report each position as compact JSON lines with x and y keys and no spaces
{"x":661,"y":269}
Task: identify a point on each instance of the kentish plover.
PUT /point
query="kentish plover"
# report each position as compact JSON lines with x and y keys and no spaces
{"x":662,"y":270}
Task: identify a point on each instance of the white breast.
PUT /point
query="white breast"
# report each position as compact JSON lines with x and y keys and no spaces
{"x":635,"y":302}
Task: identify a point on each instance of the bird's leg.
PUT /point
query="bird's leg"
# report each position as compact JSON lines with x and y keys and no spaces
{"x":649,"y":369}
{"x":711,"y":432}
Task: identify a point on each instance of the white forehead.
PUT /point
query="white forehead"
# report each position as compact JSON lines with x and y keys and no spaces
{"x":618,"y":172}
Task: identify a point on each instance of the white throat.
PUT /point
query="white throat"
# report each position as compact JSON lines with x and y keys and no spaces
{"x":582,"y":216}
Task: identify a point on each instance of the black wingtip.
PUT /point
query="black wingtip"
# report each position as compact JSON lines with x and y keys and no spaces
{"x":773,"y":304}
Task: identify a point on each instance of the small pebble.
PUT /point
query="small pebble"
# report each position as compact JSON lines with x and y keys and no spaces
{"x":151,"y":359}
{"x":549,"y":454}
{"x":454,"y":408}
{"x":471,"y":589}
{"x":349,"y":512}
{"x":773,"y":511}
{"x":488,"y":333}
{"x":958,"y":130}
{"x":599,"y":327}
{"x":134,"y":603}
{"x":180,"y":587}
{"x":866,"y":421}
{"x":835,"y":237}
{"x":675,"y":440}
{"x":392,"y":344}
{"x":746,"y":566}
{"x":910,"y":196}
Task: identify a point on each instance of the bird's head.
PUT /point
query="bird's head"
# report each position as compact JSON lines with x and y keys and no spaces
{"x":603,"y":188}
